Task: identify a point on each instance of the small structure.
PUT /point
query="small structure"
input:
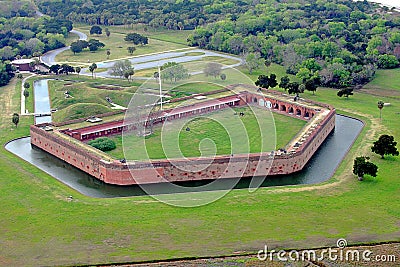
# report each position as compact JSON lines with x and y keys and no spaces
{"x":200,"y":97}
{"x":23,"y":64}
{"x":94,"y":119}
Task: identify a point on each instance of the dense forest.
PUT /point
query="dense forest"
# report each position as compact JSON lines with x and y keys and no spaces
{"x":340,"y":43}
{"x":347,"y":40}
{"x":172,"y":14}
{"x":23,"y":34}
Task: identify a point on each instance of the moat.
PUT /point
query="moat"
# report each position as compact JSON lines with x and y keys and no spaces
{"x":319,"y":169}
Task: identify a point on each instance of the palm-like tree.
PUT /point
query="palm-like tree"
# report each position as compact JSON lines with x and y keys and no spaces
{"x":381,"y":104}
{"x":92,"y":68}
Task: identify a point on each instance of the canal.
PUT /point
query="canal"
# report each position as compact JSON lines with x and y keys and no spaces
{"x":42,"y":101}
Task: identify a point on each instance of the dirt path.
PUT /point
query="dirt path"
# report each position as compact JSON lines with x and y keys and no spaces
{"x":6,"y":96}
{"x":23,"y":108}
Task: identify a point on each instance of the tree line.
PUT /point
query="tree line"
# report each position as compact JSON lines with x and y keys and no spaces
{"x":174,"y":14}
{"x":24,"y":36}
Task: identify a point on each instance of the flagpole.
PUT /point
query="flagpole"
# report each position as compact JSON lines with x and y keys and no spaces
{"x":159,"y":81}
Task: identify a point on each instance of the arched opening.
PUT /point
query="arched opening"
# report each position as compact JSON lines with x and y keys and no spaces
{"x":290,"y":110}
{"x":283,"y":108}
{"x":255,"y":100}
{"x":298,"y":112}
{"x":276,"y":106}
{"x":307,"y":115}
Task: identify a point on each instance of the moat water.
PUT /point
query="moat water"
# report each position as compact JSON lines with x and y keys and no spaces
{"x":42,"y":100}
{"x":319,"y":169}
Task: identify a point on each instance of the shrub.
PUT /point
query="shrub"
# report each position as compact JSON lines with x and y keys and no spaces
{"x":103,"y":144}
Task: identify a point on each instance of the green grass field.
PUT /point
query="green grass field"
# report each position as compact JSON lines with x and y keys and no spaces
{"x":171,"y":36}
{"x":118,"y":48}
{"x":40,"y":226}
{"x":223,"y":129}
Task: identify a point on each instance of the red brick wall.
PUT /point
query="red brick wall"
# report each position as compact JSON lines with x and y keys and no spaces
{"x":143,"y":173}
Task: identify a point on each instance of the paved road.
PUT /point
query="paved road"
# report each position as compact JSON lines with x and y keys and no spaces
{"x":50,"y":57}
{"x":154,"y":60}
{"x":142,"y":62}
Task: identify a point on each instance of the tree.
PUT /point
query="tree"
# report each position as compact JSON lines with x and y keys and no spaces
{"x":15,"y":119}
{"x":108,"y":54}
{"x":285,"y":80}
{"x":136,"y":39}
{"x":20,"y":76}
{"x":213,"y":69}
{"x":346,"y":92}
{"x":26,"y":93}
{"x":54,"y":69}
{"x":385,"y":145}
{"x":362,"y":166}
{"x":129,"y":73}
{"x":92,"y":68}
{"x":174,"y":72}
{"x":381,"y":104}
{"x":27,"y":85}
{"x":120,"y":67}
{"x":223,"y":76}
{"x":95,"y":44}
{"x":303,"y":74}
{"x":76,"y":47}
{"x":108,"y":33}
{"x":294,"y":88}
{"x":387,"y":61}
{"x":312,"y":84}
{"x":96,"y":30}
{"x":78,"y":70}
{"x":253,"y":61}
{"x":131,"y":49}
{"x":266,"y":82}
{"x":126,"y":75}
{"x":65,"y":68}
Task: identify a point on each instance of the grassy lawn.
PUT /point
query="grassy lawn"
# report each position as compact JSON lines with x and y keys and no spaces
{"x":278,"y":70}
{"x":118,"y":48}
{"x":171,"y":36}
{"x":39,"y":226}
{"x":196,"y":88}
{"x":223,"y":128}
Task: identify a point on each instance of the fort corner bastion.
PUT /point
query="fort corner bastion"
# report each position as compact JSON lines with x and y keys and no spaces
{"x":69,"y":144}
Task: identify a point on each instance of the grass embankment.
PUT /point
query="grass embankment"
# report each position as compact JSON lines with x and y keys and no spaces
{"x":39,"y":226}
{"x":87,"y":98}
{"x":218,"y":133}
